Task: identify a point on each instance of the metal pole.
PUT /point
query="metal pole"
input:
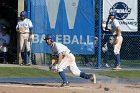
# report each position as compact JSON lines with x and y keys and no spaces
{"x":100,"y":34}
{"x":28,"y":8}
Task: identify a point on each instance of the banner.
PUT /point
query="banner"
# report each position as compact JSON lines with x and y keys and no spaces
{"x":70,"y":21}
{"x":126,"y":13}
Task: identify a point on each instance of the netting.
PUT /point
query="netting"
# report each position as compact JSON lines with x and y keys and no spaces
{"x":130,"y":51}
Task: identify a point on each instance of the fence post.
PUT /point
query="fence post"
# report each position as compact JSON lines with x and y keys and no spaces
{"x":99,"y":35}
{"x":28,"y":8}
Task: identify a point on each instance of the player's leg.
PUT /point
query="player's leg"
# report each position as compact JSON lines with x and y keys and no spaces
{"x":106,"y":58}
{"x":28,"y":47}
{"x":5,"y":58}
{"x":22,"y":47}
{"x":63,"y":65}
{"x":63,"y":77}
{"x":117,"y":48}
{"x":75,"y":70}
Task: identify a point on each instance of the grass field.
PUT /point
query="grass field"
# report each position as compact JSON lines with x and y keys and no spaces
{"x":26,"y":72}
{"x":130,"y":62}
{"x":127,"y":74}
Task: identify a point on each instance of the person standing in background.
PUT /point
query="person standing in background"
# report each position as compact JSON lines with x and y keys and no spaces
{"x":116,"y":33}
{"x":24,"y":28}
{"x":4,"y":42}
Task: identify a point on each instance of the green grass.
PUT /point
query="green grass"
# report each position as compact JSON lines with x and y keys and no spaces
{"x":130,"y":62}
{"x":132,"y":74}
{"x":25,"y":72}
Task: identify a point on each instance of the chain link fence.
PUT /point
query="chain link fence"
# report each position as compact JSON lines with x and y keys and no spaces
{"x":130,"y":51}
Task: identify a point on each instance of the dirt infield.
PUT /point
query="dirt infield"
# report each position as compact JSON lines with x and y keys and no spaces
{"x":74,"y":88}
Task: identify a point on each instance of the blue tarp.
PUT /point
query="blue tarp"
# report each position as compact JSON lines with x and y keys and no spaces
{"x":71,"y":22}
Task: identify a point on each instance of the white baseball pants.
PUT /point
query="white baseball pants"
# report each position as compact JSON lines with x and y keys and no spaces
{"x":69,"y":62}
{"x":118,"y":45}
{"x":24,"y":42}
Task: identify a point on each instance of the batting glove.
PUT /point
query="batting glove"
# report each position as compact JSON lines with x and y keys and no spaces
{"x":50,"y":66}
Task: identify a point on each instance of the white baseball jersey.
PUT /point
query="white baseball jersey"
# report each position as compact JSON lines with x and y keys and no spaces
{"x":4,"y":39}
{"x":114,"y":25}
{"x":67,"y":61}
{"x":117,"y":46}
{"x":59,"y":48}
{"x":24,"y":25}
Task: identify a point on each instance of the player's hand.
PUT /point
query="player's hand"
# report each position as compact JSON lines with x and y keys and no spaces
{"x":115,"y":34}
{"x":50,"y":66}
{"x":116,"y":41}
{"x":55,"y":68}
{"x":106,"y":28}
{"x":1,"y":46}
{"x":18,"y":31}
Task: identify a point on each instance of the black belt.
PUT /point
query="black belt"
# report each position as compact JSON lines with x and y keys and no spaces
{"x":25,"y":33}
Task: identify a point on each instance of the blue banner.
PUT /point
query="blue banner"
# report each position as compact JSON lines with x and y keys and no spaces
{"x":70,"y":21}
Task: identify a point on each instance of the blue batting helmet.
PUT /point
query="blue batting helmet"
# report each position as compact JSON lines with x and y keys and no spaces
{"x":49,"y":36}
{"x":23,"y":13}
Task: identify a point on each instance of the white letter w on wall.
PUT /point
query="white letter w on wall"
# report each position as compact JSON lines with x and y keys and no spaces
{"x":52,"y":7}
{"x":71,"y":11}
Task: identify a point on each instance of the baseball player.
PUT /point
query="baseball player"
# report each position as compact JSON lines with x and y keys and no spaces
{"x":24,"y":28}
{"x":4,"y":41}
{"x":65,"y":59}
{"x":116,"y":32}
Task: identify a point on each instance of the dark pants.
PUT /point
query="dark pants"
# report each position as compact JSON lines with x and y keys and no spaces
{"x":109,"y":55}
{"x":3,"y":57}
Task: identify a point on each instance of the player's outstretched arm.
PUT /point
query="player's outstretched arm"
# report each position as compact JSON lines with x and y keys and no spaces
{"x":53,"y":59}
{"x":107,"y":22}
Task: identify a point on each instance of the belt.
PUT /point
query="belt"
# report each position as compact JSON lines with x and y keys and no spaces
{"x":25,"y":33}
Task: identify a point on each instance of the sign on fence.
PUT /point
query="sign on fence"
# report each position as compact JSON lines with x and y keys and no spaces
{"x":126,"y":13}
{"x":71,"y":22}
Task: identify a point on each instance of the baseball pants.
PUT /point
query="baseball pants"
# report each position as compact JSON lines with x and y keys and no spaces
{"x":69,"y":62}
{"x":117,"y":46}
{"x":24,"y":42}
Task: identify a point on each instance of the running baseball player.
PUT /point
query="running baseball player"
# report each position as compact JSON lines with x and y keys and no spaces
{"x":65,"y":59}
{"x":24,"y":28}
{"x":116,"y":32}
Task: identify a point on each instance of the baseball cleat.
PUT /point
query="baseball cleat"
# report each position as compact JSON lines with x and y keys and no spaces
{"x":93,"y":79}
{"x":21,"y":64}
{"x":107,"y":66}
{"x":117,"y":68}
{"x":65,"y":84}
{"x":28,"y":64}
